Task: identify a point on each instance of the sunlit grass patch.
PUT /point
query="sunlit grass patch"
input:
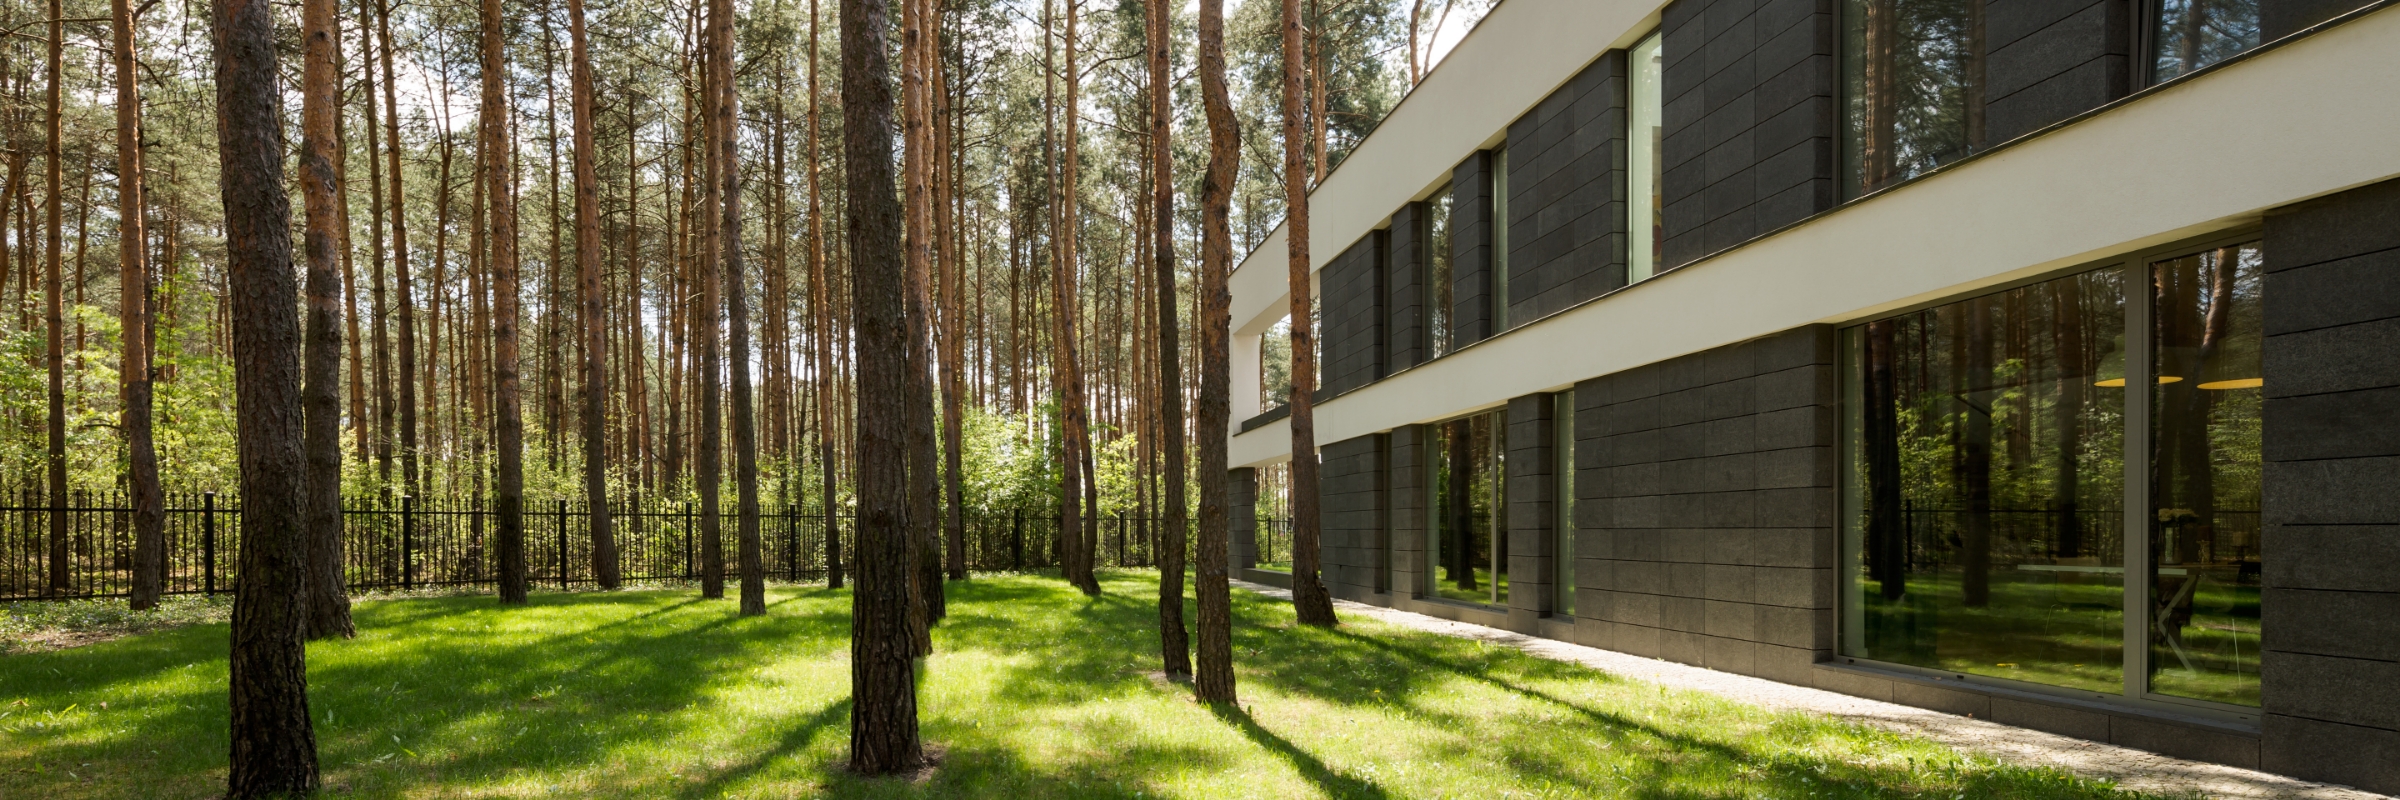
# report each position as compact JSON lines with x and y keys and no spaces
{"x":1035,"y":691}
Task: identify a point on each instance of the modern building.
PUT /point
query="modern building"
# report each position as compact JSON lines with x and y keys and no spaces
{"x":2033,"y":359}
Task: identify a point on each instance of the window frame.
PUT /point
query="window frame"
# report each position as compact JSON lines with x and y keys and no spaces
{"x":2140,"y":359}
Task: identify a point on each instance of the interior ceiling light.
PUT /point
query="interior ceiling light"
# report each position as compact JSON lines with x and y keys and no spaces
{"x":2237,"y":383}
{"x":2119,"y":383}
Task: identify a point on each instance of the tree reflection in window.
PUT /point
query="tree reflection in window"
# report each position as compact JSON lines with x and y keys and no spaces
{"x":1985,"y":481}
{"x":1466,"y":539}
{"x":2204,"y":462}
{"x":1913,"y":82}
{"x":2190,"y":34}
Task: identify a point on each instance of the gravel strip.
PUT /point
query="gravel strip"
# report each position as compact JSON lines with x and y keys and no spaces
{"x":2131,"y":769}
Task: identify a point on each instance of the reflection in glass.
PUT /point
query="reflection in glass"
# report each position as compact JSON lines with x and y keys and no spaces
{"x":1913,"y":88}
{"x":1648,"y":171}
{"x":2204,"y":461}
{"x":1983,"y":517}
{"x":1275,"y":365}
{"x":1464,"y":530}
{"x":2191,"y":34}
{"x":1437,"y":273}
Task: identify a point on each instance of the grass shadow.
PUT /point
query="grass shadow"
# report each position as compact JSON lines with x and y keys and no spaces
{"x":1331,"y":782}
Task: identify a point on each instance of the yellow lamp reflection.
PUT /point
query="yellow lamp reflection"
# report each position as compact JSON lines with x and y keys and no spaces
{"x":2119,"y":383}
{"x":2237,"y":383}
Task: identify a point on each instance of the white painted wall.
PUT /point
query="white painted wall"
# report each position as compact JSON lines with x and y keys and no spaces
{"x":2311,"y":118}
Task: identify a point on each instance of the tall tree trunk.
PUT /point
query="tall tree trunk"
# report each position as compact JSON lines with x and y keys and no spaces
{"x":1309,"y":598}
{"x":52,"y":300}
{"x":274,"y":749}
{"x":1174,"y":642}
{"x":724,"y":105}
{"x":381,"y":439}
{"x":328,"y":613}
{"x":405,"y":299}
{"x":710,"y":275}
{"x":588,"y":269}
{"x":1213,"y":680}
{"x":953,"y":325}
{"x":134,"y":322}
{"x":924,"y":461}
{"x":883,"y":709}
{"x":821,"y":312}
{"x":507,"y":397}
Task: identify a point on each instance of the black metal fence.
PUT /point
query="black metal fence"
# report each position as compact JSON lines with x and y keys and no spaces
{"x":405,"y":543}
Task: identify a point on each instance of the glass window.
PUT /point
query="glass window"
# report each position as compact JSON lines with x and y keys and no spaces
{"x":1437,"y":273}
{"x":1983,"y":516}
{"x":1499,"y":240}
{"x":2190,"y":34}
{"x":1275,"y":365}
{"x":1562,"y":423}
{"x":1465,"y":532}
{"x":1987,"y":495}
{"x":2204,"y":461}
{"x":1647,"y":171}
{"x":1913,"y":88}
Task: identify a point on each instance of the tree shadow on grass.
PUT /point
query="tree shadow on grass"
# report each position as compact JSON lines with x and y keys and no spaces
{"x":1334,"y":784}
{"x":796,"y":740}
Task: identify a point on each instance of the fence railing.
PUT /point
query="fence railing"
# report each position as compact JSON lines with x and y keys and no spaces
{"x":405,"y":543}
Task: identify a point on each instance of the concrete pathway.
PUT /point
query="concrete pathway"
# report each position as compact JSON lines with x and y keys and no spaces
{"x":2131,"y":769}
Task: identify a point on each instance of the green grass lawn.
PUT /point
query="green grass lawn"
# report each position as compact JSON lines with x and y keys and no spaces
{"x":1036,"y":692}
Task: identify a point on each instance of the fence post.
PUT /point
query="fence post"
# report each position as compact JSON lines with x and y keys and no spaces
{"x":562,"y":545}
{"x":1120,"y":542}
{"x":408,"y":541}
{"x":1016,"y":542}
{"x":689,"y":572}
{"x":791,"y":542}
{"x":208,"y":542}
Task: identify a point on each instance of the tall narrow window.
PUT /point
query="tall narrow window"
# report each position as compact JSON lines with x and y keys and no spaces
{"x":2190,"y":34}
{"x":1438,"y":290}
{"x":1466,"y":538}
{"x":1275,"y":365}
{"x":1562,"y":468}
{"x":1912,"y":77}
{"x":1499,"y":241}
{"x":2204,"y":485}
{"x":1646,"y":171}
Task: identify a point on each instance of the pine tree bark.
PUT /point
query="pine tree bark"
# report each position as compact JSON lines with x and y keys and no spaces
{"x":53,"y":317}
{"x":274,"y":749}
{"x":507,"y":393}
{"x":821,"y":311}
{"x":724,"y":104}
{"x":710,"y":275}
{"x":883,"y":709}
{"x":1213,"y":680}
{"x":134,"y":317}
{"x":1174,"y":641}
{"x":594,"y":331}
{"x":404,"y":296}
{"x":1309,"y":598}
{"x":923,"y":459}
{"x":328,"y":613}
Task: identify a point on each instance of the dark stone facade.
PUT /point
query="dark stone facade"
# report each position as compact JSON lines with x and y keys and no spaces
{"x":2052,"y":59}
{"x":1750,"y":118}
{"x":2280,"y":18}
{"x":1350,"y":479}
{"x":1705,"y":507}
{"x":1404,"y":289}
{"x":2332,"y":548}
{"x":1471,"y":287}
{"x":1532,"y":519}
{"x":1353,"y":319}
{"x":1566,"y":194}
